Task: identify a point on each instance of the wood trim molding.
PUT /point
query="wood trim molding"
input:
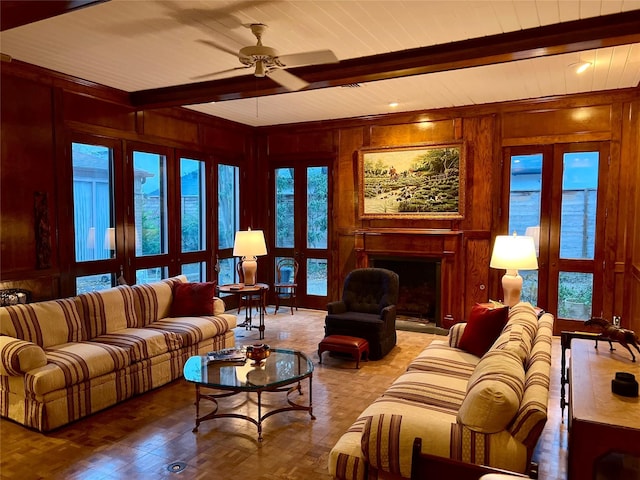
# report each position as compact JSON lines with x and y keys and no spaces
{"x":574,"y":36}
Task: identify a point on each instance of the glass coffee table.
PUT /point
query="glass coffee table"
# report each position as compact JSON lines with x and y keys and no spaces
{"x":282,"y":371}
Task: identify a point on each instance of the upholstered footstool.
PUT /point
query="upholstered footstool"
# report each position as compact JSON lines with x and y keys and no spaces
{"x":355,"y":346}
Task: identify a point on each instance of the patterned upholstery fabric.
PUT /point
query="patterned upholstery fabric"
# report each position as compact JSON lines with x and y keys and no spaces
{"x":73,"y":363}
{"x":141,"y":343}
{"x":107,"y":311}
{"x":18,"y":356}
{"x":65,"y":359}
{"x":45,"y":323}
{"x":151,"y":302}
{"x":193,"y":330}
{"x":427,"y":401}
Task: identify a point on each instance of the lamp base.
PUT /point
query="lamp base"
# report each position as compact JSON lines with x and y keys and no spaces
{"x":249,"y":270}
{"x":511,"y":287}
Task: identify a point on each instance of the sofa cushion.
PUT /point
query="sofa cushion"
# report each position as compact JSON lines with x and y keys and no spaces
{"x":483,"y":328}
{"x":494,"y":392}
{"x":43,"y":323}
{"x":73,"y":363}
{"x":193,"y":299}
{"x":438,"y":389}
{"x":142,"y":343}
{"x":107,"y":311}
{"x":18,"y":356}
{"x":439,"y":357}
{"x":195,"y":329}
{"x":151,"y":302}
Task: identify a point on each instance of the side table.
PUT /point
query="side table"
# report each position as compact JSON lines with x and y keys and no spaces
{"x":604,"y":428}
{"x":240,"y":289}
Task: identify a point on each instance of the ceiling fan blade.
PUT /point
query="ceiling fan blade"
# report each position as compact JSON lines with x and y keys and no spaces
{"x":317,"y":57}
{"x":219,"y":47}
{"x":207,"y":75}
{"x":286,"y":79}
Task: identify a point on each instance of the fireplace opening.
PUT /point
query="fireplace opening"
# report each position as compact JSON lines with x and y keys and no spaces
{"x":419,"y":294}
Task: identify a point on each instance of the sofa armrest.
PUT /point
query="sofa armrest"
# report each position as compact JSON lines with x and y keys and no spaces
{"x":455,"y":334}
{"x":19,"y":356}
{"x":336,"y":307}
{"x":388,"y":314}
{"x":218,"y":306}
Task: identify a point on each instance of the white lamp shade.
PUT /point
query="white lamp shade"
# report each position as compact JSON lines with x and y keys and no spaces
{"x":514,"y":252}
{"x":249,"y":244}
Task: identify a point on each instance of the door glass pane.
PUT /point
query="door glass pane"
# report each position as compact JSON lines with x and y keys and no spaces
{"x":524,"y":211}
{"x":228,"y":205}
{"x":93,"y":283}
{"x":574,"y":295}
{"x":284,"y":208}
{"x":150,"y":203}
{"x":92,"y":202}
{"x":192,"y":204}
{"x":227,"y":273}
{"x":579,"y":202}
{"x":195,"y":272}
{"x":317,"y":276}
{"x":149,"y":275}
{"x":317,"y":202}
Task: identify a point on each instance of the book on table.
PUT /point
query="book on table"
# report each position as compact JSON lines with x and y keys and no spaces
{"x":227,"y":355}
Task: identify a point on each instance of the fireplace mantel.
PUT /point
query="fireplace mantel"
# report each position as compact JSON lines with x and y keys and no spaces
{"x":442,"y":244}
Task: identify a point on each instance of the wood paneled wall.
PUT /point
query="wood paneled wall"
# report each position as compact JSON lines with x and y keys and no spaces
{"x":485,"y":130}
{"x":39,"y":108}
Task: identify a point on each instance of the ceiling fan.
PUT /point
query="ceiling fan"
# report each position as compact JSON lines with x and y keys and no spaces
{"x":266,"y":61}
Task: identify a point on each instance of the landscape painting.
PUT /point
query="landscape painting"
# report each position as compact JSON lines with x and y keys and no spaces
{"x":412,"y":182}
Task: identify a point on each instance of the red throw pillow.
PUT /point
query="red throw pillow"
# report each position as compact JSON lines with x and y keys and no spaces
{"x":193,"y":299}
{"x":483,"y":328}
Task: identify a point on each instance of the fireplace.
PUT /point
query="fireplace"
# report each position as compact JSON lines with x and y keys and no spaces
{"x":438,"y":259}
{"x":419,"y":294}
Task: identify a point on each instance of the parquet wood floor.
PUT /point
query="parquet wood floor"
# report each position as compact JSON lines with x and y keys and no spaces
{"x":139,"y":438}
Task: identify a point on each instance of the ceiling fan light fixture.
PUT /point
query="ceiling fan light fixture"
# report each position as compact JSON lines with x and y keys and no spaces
{"x":260,"y":70}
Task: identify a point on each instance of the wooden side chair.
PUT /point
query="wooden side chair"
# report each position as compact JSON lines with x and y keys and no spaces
{"x":285,"y":286}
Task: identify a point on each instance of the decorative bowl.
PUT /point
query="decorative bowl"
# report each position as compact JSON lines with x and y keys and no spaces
{"x":258,"y":352}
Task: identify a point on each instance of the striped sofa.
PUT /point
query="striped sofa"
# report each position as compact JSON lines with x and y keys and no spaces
{"x":62,"y":360}
{"x":488,"y":410}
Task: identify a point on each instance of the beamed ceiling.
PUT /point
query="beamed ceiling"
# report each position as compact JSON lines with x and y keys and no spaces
{"x":419,"y":54}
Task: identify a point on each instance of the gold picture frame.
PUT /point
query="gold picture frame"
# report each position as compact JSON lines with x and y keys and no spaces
{"x":420,"y":181}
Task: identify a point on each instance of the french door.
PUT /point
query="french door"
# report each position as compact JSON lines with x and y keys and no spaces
{"x":301,"y":226}
{"x":557,"y":195}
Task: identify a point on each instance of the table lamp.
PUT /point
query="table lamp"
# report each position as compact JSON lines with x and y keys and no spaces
{"x":249,"y":245}
{"x":513,"y":253}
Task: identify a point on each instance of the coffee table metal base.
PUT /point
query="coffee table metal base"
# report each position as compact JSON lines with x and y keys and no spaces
{"x":261,"y":417}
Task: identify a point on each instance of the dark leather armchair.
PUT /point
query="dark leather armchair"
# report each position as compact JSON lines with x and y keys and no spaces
{"x":367,"y":309}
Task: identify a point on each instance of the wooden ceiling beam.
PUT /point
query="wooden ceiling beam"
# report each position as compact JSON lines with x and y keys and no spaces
{"x":575,"y":36}
{"x":14,"y":13}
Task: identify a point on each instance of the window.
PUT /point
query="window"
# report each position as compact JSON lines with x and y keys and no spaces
{"x":228,"y":221}
{"x":150,"y":203}
{"x":284,"y":204}
{"x":92,"y":283}
{"x":192,"y":205}
{"x":553,"y":197}
{"x":524,"y":211}
{"x":195,"y":272}
{"x":93,"y":202}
